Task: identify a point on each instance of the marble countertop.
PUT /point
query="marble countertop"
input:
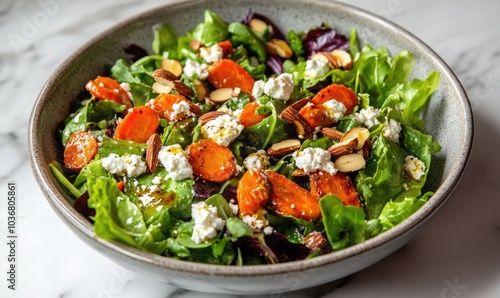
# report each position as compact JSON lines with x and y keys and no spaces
{"x":456,"y":255}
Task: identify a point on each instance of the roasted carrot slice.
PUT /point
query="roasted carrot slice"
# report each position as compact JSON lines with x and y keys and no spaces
{"x":315,"y":115}
{"x":288,"y":198}
{"x":138,"y":125}
{"x":211,"y":161}
{"x":249,"y":117}
{"x":338,"y":92}
{"x":105,"y":88}
{"x":164,"y":106}
{"x":227,"y":48}
{"x":226,"y":73}
{"x":79,"y":151}
{"x":323,"y":183}
{"x":253,"y":191}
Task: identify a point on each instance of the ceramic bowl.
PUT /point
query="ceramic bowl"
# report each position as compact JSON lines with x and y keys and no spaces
{"x":448,"y":117}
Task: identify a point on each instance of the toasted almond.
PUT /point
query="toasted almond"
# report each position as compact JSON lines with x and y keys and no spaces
{"x":325,"y":57}
{"x":350,"y":163}
{"x":300,"y":103}
{"x":195,"y":45}
{"x":160,"y":88}
{"x":183,"y":89}
{"x":209,"y":116}
{"x":279,"y":47}
{"x":315,"y":240}
{"x":284,"y":147}
{"x":302,"y":127}
{"x":360,"y":133}
{"x":343,"y":148}
{"x":221,"y":95}
{"x":367,"y":147}
{"x":173,"y":66}
{"x":164,"y":77}
{"x":258,"y":25}
{"x":343,"y":58}
{"x":152,"y":149}
{"x":332,"y":133}
{"x":201,"y":89}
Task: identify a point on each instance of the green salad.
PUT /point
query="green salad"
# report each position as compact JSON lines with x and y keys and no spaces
{"x":238,"y":143}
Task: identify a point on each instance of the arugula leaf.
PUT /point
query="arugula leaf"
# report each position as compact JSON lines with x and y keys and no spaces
{"x":241,"y":34}
{"x":165,"y":41}
{"x":212,"y":30}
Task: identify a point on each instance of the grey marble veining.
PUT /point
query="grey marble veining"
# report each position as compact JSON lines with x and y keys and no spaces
{"x":456,"y":255}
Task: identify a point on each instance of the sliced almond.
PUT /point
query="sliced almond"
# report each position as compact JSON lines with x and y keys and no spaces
{"x":160,"y":88}
{"x":173,"y":66}
{"x":209,"y":116}
{"x":183,"y":89}
{"x":332,"y":133}
{"x":315,"y":240}
{"x":302,"y":127}
{"x":164,"y":77}
{"x":279,"y":47}
{"x":221,"y":95}
{"x":360,"y":133}
{"x":343,"y":58}
{"x":350,"y":163}
{"x":343,"y":148}
{"x":152,"y":149}
{"x":195,"y":45}
{"x":201,"y":89}
{"x":300,"y":103}
{"x":284,"y":147}
{"x":258,"y":25}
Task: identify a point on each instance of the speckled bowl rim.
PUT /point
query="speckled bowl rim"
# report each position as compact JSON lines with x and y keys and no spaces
{"x":77,"y":221}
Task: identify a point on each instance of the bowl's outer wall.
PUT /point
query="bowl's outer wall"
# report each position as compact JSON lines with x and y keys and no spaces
{"x":449,"y":120}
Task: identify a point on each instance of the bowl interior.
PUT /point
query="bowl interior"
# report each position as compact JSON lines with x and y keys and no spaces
{"x":448,"y":116}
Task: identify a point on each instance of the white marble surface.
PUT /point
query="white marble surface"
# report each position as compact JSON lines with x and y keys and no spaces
{"x":456,"y":255}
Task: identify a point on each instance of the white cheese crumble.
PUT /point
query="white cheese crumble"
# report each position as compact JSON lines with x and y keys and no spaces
{"x":194,"y":69}
{"x":258,"y":222}
{"x":280,"y":87}
{"x":126,"y":88}
{"x":368,"y":116}
{"x":175,"y":161}
{"x":313,"y":159}
{"x":212,"y":54}
{"x":130,"y":165}
{"x":257,"y":160}
{"x":391,"y":130}
{"x":335,"y":109}
{"x":414,"y":167}
{"x":222,"y":130}
{"x":181,"y":109}
{"x":234,"y":206}
{"x":206,"y":222}
{"x":316,"y":68}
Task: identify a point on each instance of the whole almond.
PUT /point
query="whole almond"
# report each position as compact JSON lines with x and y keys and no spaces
{"x":209,"y":116}
{"x":315,"y":240}
{"x":360,"y":133}
{"x":283,"y":147}
{"x":152,"y":149}
{"x":302,"y":127}
{"x":332,"y":133}
{"x":183,"y":89}
{"x":343,"y":148}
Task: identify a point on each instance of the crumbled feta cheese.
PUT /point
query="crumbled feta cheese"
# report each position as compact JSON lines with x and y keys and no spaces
{"x":257,"y":160}
{"x":316,"y":68}
{"x":280,"y":87}
{"x":180,"y":110}
{"x":212,"y":54}
{"x":368,"y":116}
{"x":391,"y":130}
{"x":414,"y":167}
{"x":313,"y":159}
{"x":236,"y":113}
{"x":175,"y":161}
{"x":258,"y":222}
{"x":129,"y":165}
{"x":335,"y":109}
{"x":126,"y":88}
{"x":206,"y":222}
{"x":195,"y":69}
{"x":222,"y":130}
{"x":268,"y":230}
{"x":234,"y":206}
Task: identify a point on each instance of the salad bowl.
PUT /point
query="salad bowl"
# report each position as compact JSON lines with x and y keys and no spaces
{"x":448,"y":116}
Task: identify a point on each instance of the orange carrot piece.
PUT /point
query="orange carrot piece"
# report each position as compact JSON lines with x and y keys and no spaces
{"x":105,"y":88}
{"x":316,"y":116}
{"x":252,"y":193}
{"x":338,"y":92}
{"x":227,"y":48}
{"x":138,"y":125}
{"x":288,"y":198}
{"x":120,"y":185}
{"x":211,"y":161}
{"x":79,"y":151}
{"x":164,"y":106}
{"x":249,"y":117}
{"x":226,"y":73}
{"x":323,"y":183}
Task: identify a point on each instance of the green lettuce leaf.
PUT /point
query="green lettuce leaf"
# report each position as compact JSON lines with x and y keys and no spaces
{"x":212,"y":30}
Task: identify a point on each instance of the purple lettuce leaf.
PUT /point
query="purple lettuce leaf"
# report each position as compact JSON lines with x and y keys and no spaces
{"x":324,"y":39}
